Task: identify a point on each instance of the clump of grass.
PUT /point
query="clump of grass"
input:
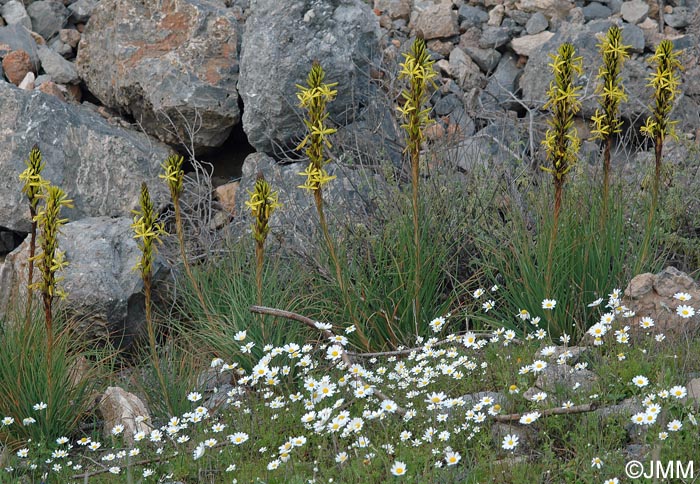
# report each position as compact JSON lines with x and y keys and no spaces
{"x":417,"y":68}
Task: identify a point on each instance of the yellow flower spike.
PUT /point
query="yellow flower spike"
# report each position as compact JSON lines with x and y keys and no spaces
{"x":147,"y":230}
{"x":666,"y":81}
{"x":262,"y":203}
{"x":34,"y":184}
{"x":174,"y":174}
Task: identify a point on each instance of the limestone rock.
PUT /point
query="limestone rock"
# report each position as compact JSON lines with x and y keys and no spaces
{"x":558,"y":9}
{"x":27,"y":83}
{"x":226,"y":195}
{"x":119,"y":407}
{"x":436,"y":21}
{"x":48,"y":17}
{"x":14,"y":13}
{"x":100,"y":166}
{"x":536,"y":24}
{"x":168,"y":64}
{"x":652,"y":295}
{"x":527,"y":44}
{"x":464,"y":71}
{"x":343,"y":35}
{"x":81,"y":10}
{"x":60,"y":70}
{"x":16,"y":65}
{"x":105,"y":296}
{"x":634,"y":11}
{"x":396,"y":9}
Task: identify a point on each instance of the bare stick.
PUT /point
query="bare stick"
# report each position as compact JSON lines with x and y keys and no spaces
{"x":588,"y":407}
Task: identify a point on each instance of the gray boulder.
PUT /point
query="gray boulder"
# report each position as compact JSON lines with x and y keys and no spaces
{"x":60,"y":70}
{"x":173,"y":68}
{"x":14,"y":13}
{"x":48,"y":17}
{"x":81,"y":10}
{"x":104,"y":293}
{"x":99,"y":165}
{"x":294,"y":226}
{"x":280,"y":41}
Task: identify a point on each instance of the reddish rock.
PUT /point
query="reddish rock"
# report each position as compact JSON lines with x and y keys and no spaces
{"x":74,"y":92}
{"x":50,"y":87}
{"x":226,"y":195}
{"x":16,"y":65}
{"x":69,"y":36}
{"x":652,"y":295}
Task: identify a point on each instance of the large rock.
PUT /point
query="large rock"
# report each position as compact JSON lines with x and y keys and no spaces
{"x":119,"y":407}
{"x":14,"y":13}
{"x":168,"y":64}
{"x":16,"y":65}
{"x":60,"y":70}
{"x":105,"y":295}
{"x":652,"y":295}
{"x":281,"y":39}
{"x":48,"y":17}
{"x":436,"y":21}
{"x":99,"y":165}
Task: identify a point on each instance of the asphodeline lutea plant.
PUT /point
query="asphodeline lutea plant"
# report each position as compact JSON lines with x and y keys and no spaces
{"x":174,"y":176}
{"x":314,"y":98}
{"x":34,"y":186}
{"x":611,"y":92}
{"x":51,"y":260}
{"x":262,"y":203}
{"x":148,"y":232}
{"x":665,"y":80}
{"x":417,"y":69}
{"x":561,"y":140}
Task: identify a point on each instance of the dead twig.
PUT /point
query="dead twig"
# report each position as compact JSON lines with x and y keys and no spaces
{"x":588,"y":407}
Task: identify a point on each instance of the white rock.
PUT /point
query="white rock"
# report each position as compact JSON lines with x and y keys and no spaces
{"x":528,"y":44}
{"x":119,"y":407}
{"x":28,"y":82}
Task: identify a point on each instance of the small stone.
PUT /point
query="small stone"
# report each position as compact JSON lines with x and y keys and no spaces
{"x":69,"y":36}
{"x":464,"y":71}
{"x":440,"y":47}
{"x":677,"y":19}
{"x":226,"y":195}
{"x":447,"y":104}
{"x":16,"y":65}
{"x":595,"y":10}
{"x":60,"y":70}
{"x":529,"y":44}
{"x":47,"y":17}
{"x":434,"y":132}
{"x":472,"y":16}
{"x":14,"y":13}
{"x":537,"y":23}
{"x":81,"y":10}
{"x":52,"y":89}
{"x":436,"y":21}
{"x":496,"y":15}
{"x":634,"y":11}
{"x":494,"y":37}
{"x":486,"y":59}
{"x":119,"y":407}
{"x":28,"y":82}
{"x":633,"y":36}
{"x":395,"y":9}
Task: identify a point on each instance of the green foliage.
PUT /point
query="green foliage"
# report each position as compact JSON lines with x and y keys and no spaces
{"x":66,"y":381}
{"x":229,"y":283}
{"x":594,"y":253}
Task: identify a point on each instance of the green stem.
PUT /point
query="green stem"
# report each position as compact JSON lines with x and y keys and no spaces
{"x":30,"y":275}
{"x":152,"y":340}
